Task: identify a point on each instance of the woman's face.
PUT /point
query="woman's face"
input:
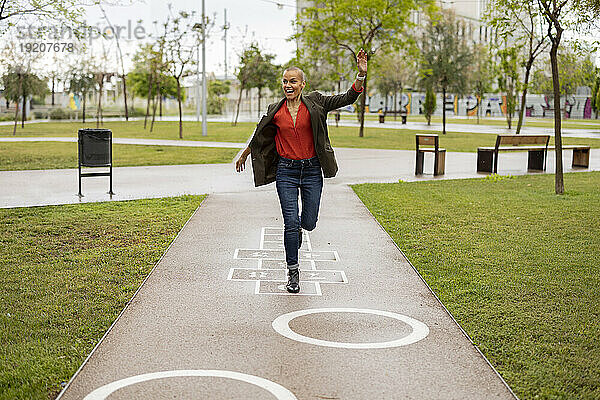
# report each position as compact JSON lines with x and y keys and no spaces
{"x":292,"y":84}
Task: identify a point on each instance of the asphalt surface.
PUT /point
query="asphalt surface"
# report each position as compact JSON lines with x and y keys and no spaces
{"x":205,"y":335}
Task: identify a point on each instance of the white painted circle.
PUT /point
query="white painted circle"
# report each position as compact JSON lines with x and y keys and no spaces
{"x":276,"y":390}
{"x":419,"y":329}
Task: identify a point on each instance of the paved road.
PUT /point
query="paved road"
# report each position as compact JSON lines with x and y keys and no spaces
{"x":213,"y":320}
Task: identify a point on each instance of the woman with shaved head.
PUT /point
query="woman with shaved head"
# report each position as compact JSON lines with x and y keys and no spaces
{"x":291,"y":146}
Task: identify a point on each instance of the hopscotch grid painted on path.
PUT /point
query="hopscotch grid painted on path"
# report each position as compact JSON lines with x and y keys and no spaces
{"x":264,"y":281}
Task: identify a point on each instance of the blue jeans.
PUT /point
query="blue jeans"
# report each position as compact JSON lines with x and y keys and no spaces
{"x":294,"y":175}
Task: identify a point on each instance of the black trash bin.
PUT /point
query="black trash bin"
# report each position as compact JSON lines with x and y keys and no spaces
{"x":403,"y":119}
{"x":381,"y":118}
{"x":95,"y":150}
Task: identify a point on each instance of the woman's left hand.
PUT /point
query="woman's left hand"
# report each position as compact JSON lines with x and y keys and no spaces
{"x":361,"y":62}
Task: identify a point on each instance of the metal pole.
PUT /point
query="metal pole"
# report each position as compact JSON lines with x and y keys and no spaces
{"x":225,"y":27}
{"x":203,"y":71}
{"x":197,"y":83}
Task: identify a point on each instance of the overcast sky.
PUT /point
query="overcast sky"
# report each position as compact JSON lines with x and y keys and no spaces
{"x":262,"y":21}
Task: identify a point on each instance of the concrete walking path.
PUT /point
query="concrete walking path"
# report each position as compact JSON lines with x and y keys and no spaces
{"x":214,"y":321}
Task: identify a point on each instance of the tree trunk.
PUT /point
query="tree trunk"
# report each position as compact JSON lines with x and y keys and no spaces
{"x":361,"y":112}
{"x":148,"y":100}
{"x":53,"y":90}
{"x":559,"y":185}
{"x":237,"y":112}
{"x":524,"y":96}
{"x":154,"y":102}
{"x":395,"y":100}
{"x":511,"y":104}
{"x":125,"y":97}
{"x":24,"y":111}
{"x":444,"y":110}
{"x":179,"y":103}
{"x":99,"y":110}
{"x":259,"y":96}
{"x":16,"y":117}
{"x":478,"y":108}
{"x":84,"y":96}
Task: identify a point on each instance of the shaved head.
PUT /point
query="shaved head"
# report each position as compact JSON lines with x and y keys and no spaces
{"x":298,"y":70}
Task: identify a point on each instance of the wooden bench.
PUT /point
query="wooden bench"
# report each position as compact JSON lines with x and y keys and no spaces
{"x":537,"y":148}
{"x":439,"y":160}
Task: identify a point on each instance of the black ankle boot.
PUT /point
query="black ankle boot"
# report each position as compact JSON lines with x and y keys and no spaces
{"x":293,"y":285}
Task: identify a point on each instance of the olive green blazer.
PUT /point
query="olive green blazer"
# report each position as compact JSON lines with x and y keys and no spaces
{"x":262,"y":145}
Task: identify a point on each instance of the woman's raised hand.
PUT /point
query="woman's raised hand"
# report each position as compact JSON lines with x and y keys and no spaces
{"x":361,"y":61}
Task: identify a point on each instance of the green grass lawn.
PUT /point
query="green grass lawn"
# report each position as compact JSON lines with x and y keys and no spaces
{"x":217,"y":131}
{"x":66,"y":272}
{"x":50,"y":155}
{"x":515,"y":264}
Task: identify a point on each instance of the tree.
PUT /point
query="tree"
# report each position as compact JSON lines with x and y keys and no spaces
{"x":19,"y":85}
{"x":482,"y":74}
{"x":149,"y":78}
{"x":65,"y":11}
{"x":392,"y":72}
{"x":81,"y":81}
{"x":430,"y":103}
{"x":518,"y":21}
{"x":559,"y":15}
{"x":508,"y":80}
{"x":179,"y":47}
{"x":575,"y":70}
{"x":445,"y":57}
{"x":367,"y":24}
{"x":124,"y":80}
{"x":255,"y":70}
{"x":541,"y":83}
{"x":215,"y":90}
{"x":264,"y":74}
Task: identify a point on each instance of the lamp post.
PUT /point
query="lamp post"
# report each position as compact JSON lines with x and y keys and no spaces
{"x":196,"y":26}
{"x":202,"y":26}
{"x":204,"y":91}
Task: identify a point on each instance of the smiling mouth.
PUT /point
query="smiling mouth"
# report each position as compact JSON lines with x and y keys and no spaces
{"x":289,"y":91}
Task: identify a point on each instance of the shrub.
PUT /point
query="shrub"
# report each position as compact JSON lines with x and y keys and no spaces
{"x":39,"y":115}
{"x":60,"y":113}
{"x":57,"y":113}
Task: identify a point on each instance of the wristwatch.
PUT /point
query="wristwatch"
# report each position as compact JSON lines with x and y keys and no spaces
{"x":361,"y":78}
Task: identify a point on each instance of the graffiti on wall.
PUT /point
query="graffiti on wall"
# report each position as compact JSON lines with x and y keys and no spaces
{"x":491,"y":105}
